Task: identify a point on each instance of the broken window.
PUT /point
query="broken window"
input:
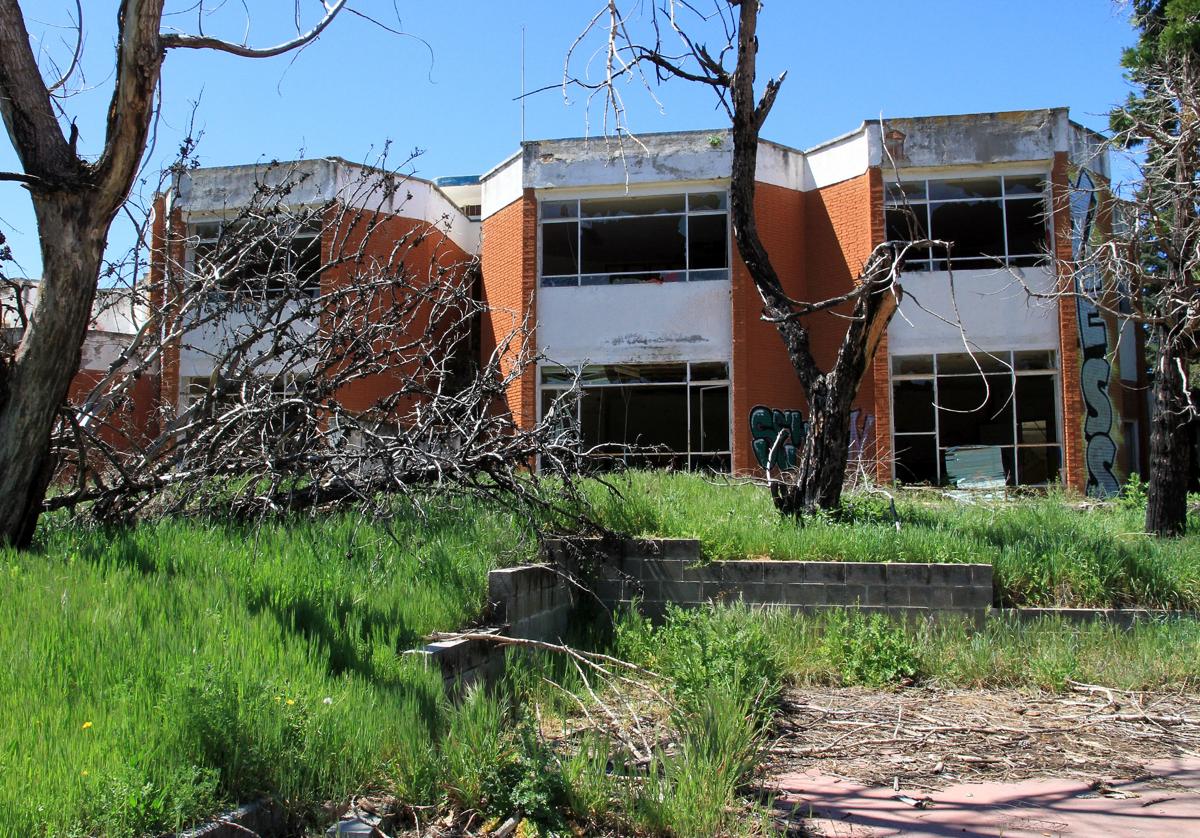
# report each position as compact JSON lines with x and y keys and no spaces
{"x":248,"y":262}
{"x":616,"y":241}
{"x":654,"y":415}
{"x":989,"y":221}
{"x":1003,"y":401}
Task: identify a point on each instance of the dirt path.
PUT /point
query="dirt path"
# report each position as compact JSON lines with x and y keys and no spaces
{"x":956,"y":762}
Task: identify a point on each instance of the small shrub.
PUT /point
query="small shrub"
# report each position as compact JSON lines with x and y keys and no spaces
{"x":704,"y":649}
{"x":1133,"y":493}
{"x":871,"y":651}
{"x":476,"y":749}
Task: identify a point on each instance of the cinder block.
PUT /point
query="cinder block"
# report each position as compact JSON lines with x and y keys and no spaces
{"x":717,"y":591}
{"x":763,"y":593}
{"x":933,"y":596}
{"x":846,"y":594}
{"x":982,"y":574}
{"x":896,"y":594}
{"x":677,"y":591}
{"x":608,"y":590}
{"x":950,"y":575}
{"x":825,"y":572}
{"x":684,"y":549}
{"x":972,"y":597}
{"x":783,"y":573}
{"x":875,"y":595}
{"x":806,"y":594}
{"x":741,"y":573}
{"x":641,"y":548}
{"x":501,"y":583}
{"x":662,"y":569}
{"x":906,"y":574}
{"x":864,"y":573}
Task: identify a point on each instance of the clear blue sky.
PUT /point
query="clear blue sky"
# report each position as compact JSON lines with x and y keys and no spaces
{"x":449,"y":87}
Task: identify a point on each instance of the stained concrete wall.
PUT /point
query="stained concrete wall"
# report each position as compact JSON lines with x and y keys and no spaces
{"x":995,"y":310}
{"x":649,"y":322}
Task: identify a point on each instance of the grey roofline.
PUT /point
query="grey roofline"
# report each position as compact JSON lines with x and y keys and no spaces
{"x":330,"y":158}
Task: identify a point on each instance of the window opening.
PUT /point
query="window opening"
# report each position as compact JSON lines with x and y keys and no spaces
{"x":618,"y":241}
{"x":679,"y":413}
{"x":1009,"y":403}
{"x":991,"y":221}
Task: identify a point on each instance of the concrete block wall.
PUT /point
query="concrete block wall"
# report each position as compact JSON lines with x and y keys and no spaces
{"x":661,"y":571}
{"x":532,"y":602}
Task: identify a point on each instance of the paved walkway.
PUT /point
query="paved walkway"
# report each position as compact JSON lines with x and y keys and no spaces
{"x":1165,"y":803}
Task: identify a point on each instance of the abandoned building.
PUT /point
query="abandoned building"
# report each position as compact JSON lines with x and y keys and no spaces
{"x":620,"y":257}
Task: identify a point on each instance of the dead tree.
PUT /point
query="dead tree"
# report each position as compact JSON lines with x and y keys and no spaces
{"x":1151,"y":259}
{"x":75,"y":199}
{"x":816,"y":483}
{"x":344,"y":370}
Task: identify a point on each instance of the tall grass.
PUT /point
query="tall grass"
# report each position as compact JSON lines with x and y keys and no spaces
{"x":845,"y":648}
{"x":1045,"y":550}
{"x":156,"y":674}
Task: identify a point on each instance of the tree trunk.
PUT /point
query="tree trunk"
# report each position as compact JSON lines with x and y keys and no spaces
{"x":37,"y":383}
{"x":1170,"y":455}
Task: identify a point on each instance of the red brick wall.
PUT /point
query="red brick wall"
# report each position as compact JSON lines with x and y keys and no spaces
{"x":161,"y":252}
{"x":427,"y":254}
{"x":508,"y":288}
{"x":818,"y":242}
{"x":762,"y":373}
{"x":843,"y":223}
{"x":134,"y":420}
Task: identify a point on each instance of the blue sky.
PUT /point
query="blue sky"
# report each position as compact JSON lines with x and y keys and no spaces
{"x":448,"y":87}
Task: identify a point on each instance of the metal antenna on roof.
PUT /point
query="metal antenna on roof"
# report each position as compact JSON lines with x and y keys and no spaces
{"x":522,"y":84}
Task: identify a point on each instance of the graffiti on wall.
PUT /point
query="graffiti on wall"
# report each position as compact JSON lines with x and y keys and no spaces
{"x":1100,"y":451}
{"x":767,"y":425}
{"x":860,"y":433}
{"x":766,"y":428}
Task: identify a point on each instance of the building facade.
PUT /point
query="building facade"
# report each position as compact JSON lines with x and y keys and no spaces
{"x":619,"y":257}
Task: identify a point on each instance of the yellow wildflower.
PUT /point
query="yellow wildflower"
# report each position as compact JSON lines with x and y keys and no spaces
{"x":291,"y":701}
{"x":85,"y":725}
{"x":83,"y":773}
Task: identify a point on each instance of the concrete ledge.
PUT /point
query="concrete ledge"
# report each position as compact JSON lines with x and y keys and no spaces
{"x":1123,"y":617}
{"x":658,"y":572}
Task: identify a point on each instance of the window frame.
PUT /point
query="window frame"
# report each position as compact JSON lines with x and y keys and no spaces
{"x":892,"y":200}
{"x":197,"y":238}
{"x":1007,"y":356}
{"x":689,"y":383}
{"x":688,"y":274}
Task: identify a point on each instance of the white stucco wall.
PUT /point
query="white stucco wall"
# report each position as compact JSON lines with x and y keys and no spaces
{"x":222,"y":190}
{"x":643,"y":323}
{"x":995,"y":309}
{"x":201,"y":346}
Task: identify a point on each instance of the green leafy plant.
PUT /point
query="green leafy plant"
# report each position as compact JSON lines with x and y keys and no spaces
{"x":704,"y":649}
{"x":869,"y":650}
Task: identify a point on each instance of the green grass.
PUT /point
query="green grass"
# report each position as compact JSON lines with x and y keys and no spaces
{"x":160,"y":673}
{"x":157,"y":674}
{"x":1046,"y":552}
{"x":847,"y":648}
